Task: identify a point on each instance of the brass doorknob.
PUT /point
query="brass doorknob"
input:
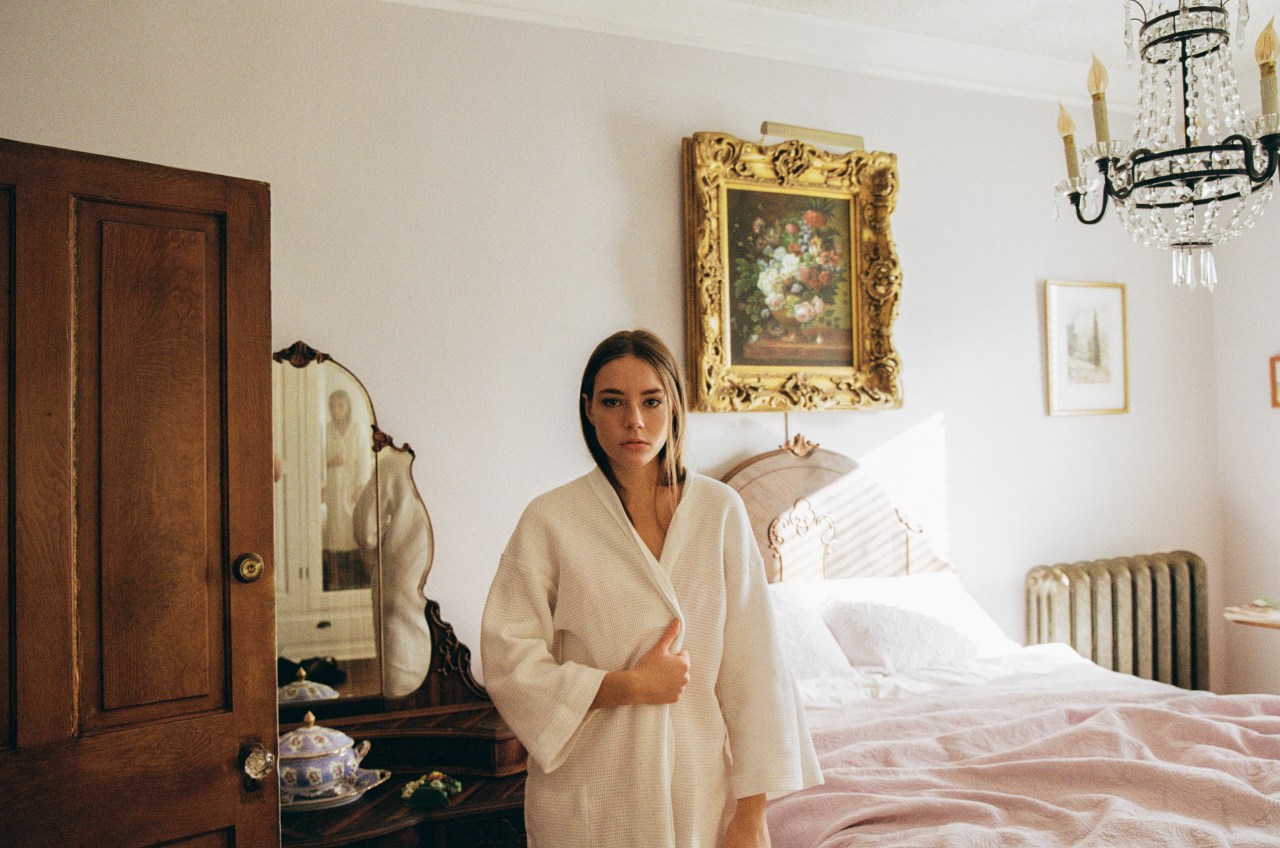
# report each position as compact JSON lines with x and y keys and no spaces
{"x":248,"y":567}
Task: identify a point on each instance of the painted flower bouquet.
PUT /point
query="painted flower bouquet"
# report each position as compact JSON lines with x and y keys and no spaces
{"x":431,"y":790}
{"x":788,"y":274}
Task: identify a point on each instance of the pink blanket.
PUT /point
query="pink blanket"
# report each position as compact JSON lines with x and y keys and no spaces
{"x":1057,"y":760}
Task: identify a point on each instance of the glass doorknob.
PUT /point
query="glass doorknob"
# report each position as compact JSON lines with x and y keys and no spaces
{"x":257,"y":761}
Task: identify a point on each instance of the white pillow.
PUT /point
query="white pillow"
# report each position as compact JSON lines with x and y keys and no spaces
{"x":880,"y":639}
{"x":808,"y":646}
{"x":937,"y":594}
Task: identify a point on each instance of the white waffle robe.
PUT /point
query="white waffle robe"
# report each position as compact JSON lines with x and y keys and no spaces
{"x":577,"y":593}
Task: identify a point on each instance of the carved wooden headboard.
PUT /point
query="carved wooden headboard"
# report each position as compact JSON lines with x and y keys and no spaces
{"x":816,"y":514}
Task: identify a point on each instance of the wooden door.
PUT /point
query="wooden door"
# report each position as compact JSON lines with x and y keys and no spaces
{"x":134,"y":667}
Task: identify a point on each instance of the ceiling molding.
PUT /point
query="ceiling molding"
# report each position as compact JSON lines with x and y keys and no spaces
{"x":751,"y":30}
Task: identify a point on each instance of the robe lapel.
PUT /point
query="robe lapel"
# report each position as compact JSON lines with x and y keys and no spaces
{"x":656,"y":574}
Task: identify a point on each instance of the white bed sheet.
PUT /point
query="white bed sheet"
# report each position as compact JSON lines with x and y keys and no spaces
{"x":827,"y":693}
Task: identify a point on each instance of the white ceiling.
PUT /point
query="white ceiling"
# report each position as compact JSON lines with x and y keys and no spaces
{"x":1027,"y":48}
{"x":1064,"y":29}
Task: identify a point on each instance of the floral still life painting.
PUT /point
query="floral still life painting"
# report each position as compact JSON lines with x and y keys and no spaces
{"x":792,"y":276}
{"x":1086,"y":361}
{"x":791,"y":298}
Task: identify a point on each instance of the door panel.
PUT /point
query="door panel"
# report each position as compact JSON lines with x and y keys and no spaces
{"x":140,"y":467}
{"x":150,"y":402}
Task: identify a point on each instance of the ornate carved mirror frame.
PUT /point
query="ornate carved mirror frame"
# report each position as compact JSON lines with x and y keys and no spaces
{"x":447,"y":678}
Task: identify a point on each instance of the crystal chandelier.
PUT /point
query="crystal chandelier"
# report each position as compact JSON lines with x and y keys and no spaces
{"x":1196,"y":172}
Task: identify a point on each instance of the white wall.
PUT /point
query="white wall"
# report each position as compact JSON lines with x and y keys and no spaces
{"x":463,"y":206}
{"x":1247,"y":317}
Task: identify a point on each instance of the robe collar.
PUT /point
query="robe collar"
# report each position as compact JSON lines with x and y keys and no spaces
{"x":652,"y":567}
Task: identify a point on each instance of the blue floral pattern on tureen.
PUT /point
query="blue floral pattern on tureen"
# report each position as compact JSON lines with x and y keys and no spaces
{"x":313,"y":759}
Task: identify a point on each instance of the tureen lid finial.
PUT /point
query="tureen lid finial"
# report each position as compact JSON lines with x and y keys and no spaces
{"x":309,"y":720}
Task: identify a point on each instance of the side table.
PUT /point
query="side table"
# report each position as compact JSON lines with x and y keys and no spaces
{"x":1260,"y":613}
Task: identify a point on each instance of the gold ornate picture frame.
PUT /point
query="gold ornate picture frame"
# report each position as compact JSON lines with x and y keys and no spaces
{"x":1275,"y":382}
{"x":792,"y":276}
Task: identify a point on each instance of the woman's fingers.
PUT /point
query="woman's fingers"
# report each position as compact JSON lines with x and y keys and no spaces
{"x":662,"y":672}
{"x":668,"y":637}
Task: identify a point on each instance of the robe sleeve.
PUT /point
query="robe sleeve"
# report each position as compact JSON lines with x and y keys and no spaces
{"x":768,"y":735}
{"x":545,"y":702}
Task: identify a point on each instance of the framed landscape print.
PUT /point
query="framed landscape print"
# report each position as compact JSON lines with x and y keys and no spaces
{"x":793,"y":279}
{"x":1086,"y":349}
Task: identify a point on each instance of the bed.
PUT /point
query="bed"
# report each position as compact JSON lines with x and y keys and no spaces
{"x":935,"y":729}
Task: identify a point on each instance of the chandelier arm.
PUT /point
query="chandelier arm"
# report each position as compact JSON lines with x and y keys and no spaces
{"x":1077,"y":200}
{"x":1270,"y":143}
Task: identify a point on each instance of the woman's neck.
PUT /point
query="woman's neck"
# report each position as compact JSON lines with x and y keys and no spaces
{"x":649,"y":506}
{"x":633,"y":482}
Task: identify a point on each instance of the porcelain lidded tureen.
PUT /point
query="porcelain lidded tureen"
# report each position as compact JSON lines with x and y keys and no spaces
{"x":315,"y":760}
{"x":302,"y":689}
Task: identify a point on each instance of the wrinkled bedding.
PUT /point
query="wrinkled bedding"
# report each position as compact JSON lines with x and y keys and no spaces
{"x":1039,"y":748}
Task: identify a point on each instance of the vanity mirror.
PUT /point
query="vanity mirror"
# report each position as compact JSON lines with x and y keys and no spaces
{"x":353,"y":549}
{"x":353,"y":542}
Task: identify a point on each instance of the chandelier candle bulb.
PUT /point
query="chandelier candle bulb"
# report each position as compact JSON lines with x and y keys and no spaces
{"x":1265,"y":52}
{"x":1098,"y":91}
{"x":1067,"y":129}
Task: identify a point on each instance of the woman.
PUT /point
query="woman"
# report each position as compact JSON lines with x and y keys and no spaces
{"x":628,"y":641}
{"x":348,"y":454}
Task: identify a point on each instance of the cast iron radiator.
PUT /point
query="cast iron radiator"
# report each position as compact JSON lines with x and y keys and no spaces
{"x":1142,"y":615}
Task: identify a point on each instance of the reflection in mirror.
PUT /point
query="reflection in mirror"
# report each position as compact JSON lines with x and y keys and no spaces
{"x":323,"y":430}
{"x":347,"y":447}
{"x":353,"y":540}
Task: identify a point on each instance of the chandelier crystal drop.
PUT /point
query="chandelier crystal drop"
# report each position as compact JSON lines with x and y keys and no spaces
{"x":1197,"y":172}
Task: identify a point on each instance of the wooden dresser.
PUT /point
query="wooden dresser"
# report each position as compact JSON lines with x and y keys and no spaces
{"x":450,"y":726}
{"x":488,"y":814}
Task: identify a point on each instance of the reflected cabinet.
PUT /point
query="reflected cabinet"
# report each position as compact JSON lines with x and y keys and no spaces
{"x":323,"y":461}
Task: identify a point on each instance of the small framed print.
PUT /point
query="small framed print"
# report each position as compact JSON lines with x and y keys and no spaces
{"x":1086,"y":348}
{"x":1275,"y":381}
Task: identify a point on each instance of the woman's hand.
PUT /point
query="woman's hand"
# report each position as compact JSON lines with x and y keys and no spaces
{"x":659,"y":677}
{"x":747,"y":828}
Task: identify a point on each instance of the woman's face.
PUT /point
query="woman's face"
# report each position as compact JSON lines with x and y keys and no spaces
{"x":630,"y":412}
{"x":339,"y":408}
